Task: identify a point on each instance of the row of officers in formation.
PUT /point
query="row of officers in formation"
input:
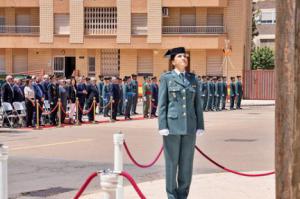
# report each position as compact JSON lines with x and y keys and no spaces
{"x":215,"y":90}
{"x":114,"y":96}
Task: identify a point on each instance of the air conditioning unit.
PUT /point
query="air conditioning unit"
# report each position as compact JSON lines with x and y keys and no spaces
{"x":165,"y":12}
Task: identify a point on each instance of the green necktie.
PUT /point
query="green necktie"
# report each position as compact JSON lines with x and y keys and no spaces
{"x":181,"y":75}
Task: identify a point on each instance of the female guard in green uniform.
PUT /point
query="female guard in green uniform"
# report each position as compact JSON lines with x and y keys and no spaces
{"x":180,"y":120}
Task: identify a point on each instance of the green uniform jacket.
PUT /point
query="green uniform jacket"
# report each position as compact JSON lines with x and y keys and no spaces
{"x":179,"y":104}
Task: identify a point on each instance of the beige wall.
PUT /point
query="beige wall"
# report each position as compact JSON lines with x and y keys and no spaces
{"x":81,"y":64}
{"x":173,"y":19}
{"x":46,"y":21}
{"x":139,"y":6}
{"x":10,"y":16}
{"x":198,"y":61}
{"x":128,"y":62}
{"x":8,"y":60}
{"x":39,"y":59}
{"x":160,"y":63}
{"x":236,"y":28}
{"x":61,"y":6}
{"x":201,"y":16}
{"x":195,"y":3}
{"x":19,"y":3}
{"x":76,"y":21}
{"x":124,"y":21}
{"x":100,"y":3}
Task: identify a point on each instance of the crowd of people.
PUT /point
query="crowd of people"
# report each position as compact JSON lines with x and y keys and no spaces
{"x":112,"y":96}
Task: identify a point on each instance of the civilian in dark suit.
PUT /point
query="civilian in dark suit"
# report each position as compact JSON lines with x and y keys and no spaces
{"x":154,"y":98}
{"x":53,"y":93}
{"x":44,"y":85}
{"x":92,"y":92}
{"x":18,"y":93}
{"x":7,"y":94}
{"x":81,"y":94}
{"x":115,"y":91}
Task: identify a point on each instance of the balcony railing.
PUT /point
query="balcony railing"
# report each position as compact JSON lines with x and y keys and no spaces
{"x":101,"y":31}
{"x":22,"y":30}
{"x":193,"y":29}
{"x":139,"y":30}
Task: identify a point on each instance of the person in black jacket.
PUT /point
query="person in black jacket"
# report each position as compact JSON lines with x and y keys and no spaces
{"x":92,"y":92}
{"x":18,"y":93}
{"x":7,"y":95}
{"x":115,"y":91}
{"x":7,"y":92}
{"x":72,"y":99}
{"x":53,"y":93}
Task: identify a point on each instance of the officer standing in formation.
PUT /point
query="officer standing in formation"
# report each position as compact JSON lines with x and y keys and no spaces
{"x":146,"y":96}
{"x":232,"y":93}
{"x":204,"y":92}
{"x":135,"y":91}
{"x":180,"y":119}
{"x":239,"y":92}
{"x":128,"y":95}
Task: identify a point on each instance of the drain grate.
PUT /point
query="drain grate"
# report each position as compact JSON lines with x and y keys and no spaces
{"x":240,"y":140}
{"x":47,"y":192}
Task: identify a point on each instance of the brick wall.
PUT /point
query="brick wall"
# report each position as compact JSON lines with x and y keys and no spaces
{"x":76,"y":21}
{"x":128,"y":62}
{"x":46,"y":21}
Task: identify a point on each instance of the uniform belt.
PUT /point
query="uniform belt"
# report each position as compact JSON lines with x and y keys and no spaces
{"x":148,"y":93}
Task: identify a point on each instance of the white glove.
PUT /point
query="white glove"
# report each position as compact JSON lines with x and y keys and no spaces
{"x":145,"y":99}
{"x":200,"y":132}
{"x":164,"y":132}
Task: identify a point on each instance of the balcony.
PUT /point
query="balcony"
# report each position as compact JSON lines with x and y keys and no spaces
{"x":19,"y":30}
{"x":193,"y":30}
{"x":195,"y":3}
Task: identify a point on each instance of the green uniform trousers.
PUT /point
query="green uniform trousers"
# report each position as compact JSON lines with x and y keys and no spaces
{"x":179,"y":156}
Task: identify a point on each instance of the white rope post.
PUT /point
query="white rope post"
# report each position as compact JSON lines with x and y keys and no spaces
{"x":118,"y":162}
{"x":109,"y":183}
{"x":3,"y":171}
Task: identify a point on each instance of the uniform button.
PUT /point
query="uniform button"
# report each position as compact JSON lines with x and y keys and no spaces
{"x":183,"y":106}
{"x":183,"y":91}
{"x":184,"y":114}
{"x":183,"y":98}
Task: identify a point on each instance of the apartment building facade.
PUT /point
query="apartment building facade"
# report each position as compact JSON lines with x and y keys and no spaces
{"x":266,"y":23}
{"x":121,"y":37}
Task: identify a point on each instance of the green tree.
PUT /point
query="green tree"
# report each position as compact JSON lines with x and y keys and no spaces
{"x":262,"y":58}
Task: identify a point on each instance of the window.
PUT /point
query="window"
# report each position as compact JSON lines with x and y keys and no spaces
{"x":59,"y":66}
{"x":267,"y":16}
{"x":145,"y":62}
{"x":2,"y":24}
{"x":2,"y":61}
{"x":214,"y":65}
{"x":100,"y":21}
{"x":110,"y":62}
{"x":92,"y":67}
{"x":139,"y":24}
{"x":62,"y":24}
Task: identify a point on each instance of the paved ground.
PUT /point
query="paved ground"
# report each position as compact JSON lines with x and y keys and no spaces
{"x":53,"y":163}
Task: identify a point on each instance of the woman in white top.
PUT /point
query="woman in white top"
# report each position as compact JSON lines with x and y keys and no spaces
{"x":29,"y":101}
